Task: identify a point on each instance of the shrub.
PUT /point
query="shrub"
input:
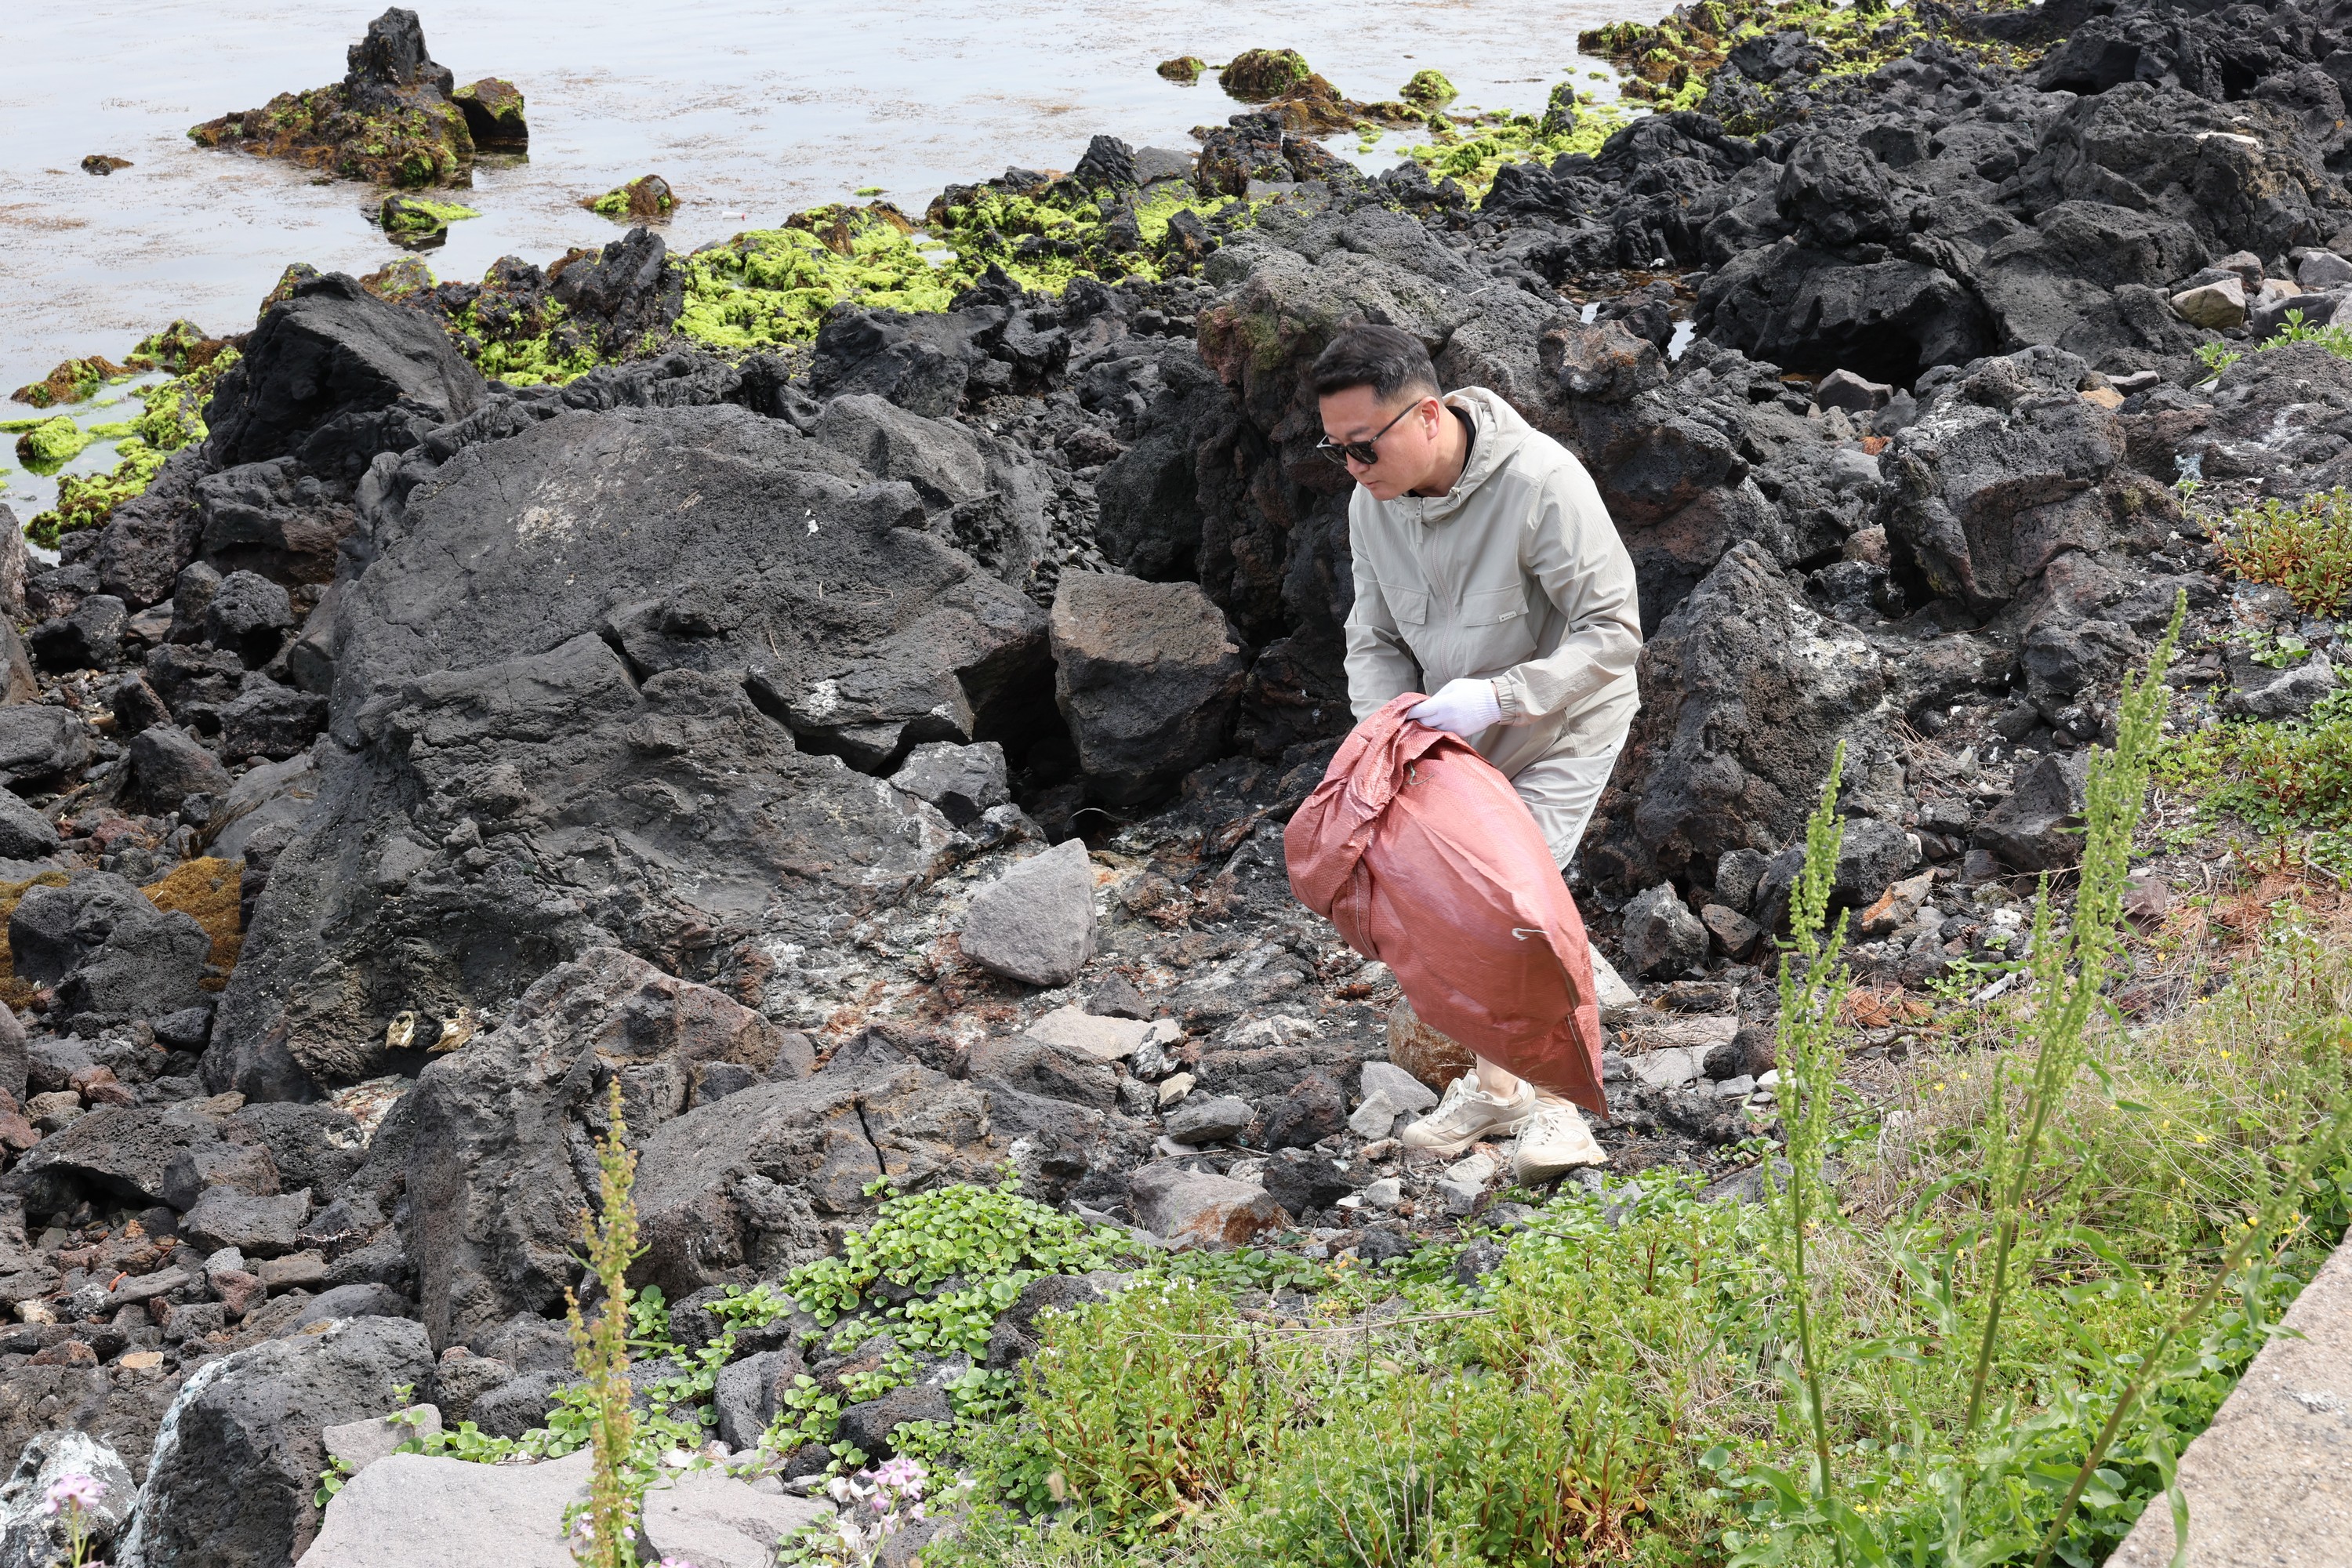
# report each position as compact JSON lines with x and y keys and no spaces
{"x":2303,"y":546}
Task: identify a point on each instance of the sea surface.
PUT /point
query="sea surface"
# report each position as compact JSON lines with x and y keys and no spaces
{"x":750,"y":111}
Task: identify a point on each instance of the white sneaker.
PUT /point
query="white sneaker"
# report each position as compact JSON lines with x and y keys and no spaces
{"x":1469,"y":1113}
{"x":1554,"y":1141}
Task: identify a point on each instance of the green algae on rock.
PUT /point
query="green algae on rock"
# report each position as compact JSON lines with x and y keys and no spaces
{"x":1670,"y":64}
{"x":87,"y":501}
{"x":494,"y":115}
{"x":179,"y":348}
{"x":1471,"y":161}
{"x":402,"y":215}
{"x":1428,"y":90}
{"x":1258,"y":76}
{"x":72,"y":381}
{"x":391,"y":120}
{"x":51,"y":445}
{"x":645,"y":197}
{"x":1183,"y":69}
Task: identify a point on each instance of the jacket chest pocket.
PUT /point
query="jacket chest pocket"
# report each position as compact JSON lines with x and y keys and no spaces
{"x":1409,"y":605}
{"x":1496,"y":630}
{"x":1494,"y":606}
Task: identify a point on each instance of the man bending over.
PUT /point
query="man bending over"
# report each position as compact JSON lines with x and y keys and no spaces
{"x":1488,"y":574}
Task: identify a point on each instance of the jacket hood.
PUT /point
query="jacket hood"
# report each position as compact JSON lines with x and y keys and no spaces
{"x":1501,"y":434}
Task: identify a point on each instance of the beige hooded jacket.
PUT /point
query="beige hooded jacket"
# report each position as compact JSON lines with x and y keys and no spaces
{"x":1516,"y":574}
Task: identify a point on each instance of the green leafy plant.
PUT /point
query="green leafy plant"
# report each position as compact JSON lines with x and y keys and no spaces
{"x":2304,"y":546}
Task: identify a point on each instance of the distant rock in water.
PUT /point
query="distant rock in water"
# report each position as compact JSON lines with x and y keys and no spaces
{"x":397,"y":117}
{"x":646,"y":196}
{"x":103,"y":163}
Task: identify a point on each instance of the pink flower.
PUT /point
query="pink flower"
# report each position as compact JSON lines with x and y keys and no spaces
{"x":74,"y":1489}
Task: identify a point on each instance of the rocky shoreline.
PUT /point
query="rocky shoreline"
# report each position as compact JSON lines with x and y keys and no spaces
{"x":872,"y":751}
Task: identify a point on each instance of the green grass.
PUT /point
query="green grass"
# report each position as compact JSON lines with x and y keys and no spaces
{"x":2302,"y":545}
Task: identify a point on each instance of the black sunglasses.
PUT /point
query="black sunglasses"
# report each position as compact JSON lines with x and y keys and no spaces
{"x":1364,"y":452}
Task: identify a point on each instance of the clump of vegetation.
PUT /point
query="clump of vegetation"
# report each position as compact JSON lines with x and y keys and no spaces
{"x":1259,"y":76}
{"x":1428,"y":90}
{"x":2302,"y":545}
{"x":87,"y":501}
{"x":415,"y":215}
{"x":1184,"y":69}
{"x":421,"y":140}
{"x":1471,"y":157}
{"x":52,"y":444}
{"x":646,"y":198}
{"x":1669,"y":64}
{"x":72,"y":381}
{"x":173,"y":419}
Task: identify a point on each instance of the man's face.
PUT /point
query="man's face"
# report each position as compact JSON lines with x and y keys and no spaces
{"x":1405,"y":456}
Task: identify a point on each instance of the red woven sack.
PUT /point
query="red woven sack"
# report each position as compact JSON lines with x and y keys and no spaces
{"x":1426,"y":859}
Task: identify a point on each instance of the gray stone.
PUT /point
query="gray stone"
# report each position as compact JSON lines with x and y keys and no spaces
{"x":1736,"y":873}
{"x":2267,"y":1481}
{"x":1201,"y":1209}
{"x":1463,"y":1183}
{"x":1385,"y":1192}
{"x":520,"y":1404}
{"x":2218,"y":306}
{"x":1036,"y":923}
{"x":714,"y":1520}
{"x":248,"y":616}
{"x":24,"y":834}
{"x":2321,"y":271}
{"x":2039,"y":826}
{"x":238,"y":1457}
{"x":259,"y":1226}
{"x":1670,"y":1068}
{"x":1213,"y":1120}
{"x":2257,"y":692}
{"x":30,"y":1536}
{"x":414,"y":1510}
{"x":122,"y":1151}
{"x":961,"y":781}
{"x":868,"y":1426}
{"x":1148,"y":676}
{"x":162,"y":766}
{"x":749,"y":1392}
{"x":360,"y":1444}
{"x":40,"y":745}
{"x":201,"y":1167}
{"x":1073,"y":1028}
{"x":460,"y":1379}
{"x":1843,"y":389}
{"x":1375,"y":1116}
{"x":1406,"y":1092}
{"x":1660,"y":934}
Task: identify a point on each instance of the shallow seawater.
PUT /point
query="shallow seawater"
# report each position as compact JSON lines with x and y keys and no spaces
{"x":750,"y":111}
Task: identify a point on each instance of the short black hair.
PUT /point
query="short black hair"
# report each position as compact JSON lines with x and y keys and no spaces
{"x":1385,"y":358}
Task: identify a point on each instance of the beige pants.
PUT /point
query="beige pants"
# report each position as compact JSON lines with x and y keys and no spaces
{"x":1561,"y":792}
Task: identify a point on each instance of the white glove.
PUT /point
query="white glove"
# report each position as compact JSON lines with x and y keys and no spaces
{"x":1461,"y":708}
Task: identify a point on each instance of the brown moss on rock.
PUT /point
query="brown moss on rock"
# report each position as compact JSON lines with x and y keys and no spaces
{"x":206,"y":891}
{"x":1259,"y":76}
{"x":72,"y":381}
{"x":391,"y":120}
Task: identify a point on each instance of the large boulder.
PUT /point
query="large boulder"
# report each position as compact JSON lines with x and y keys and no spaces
{"x":162,"y":766}
{"x":491,"y":1171}
{"x":987,"y":498}
{"x":1746,"y":692}
{"x":41,"y":747}
{"x":33,"y":1533}
{"x":1148,"y":675}
{"x":107,"y":950}
{"x":121,"y":1153}
{"x":2039,"y":827}
{"x":561,"y":727}
{"x":333,"y":376}
{"x":235,"y":1469}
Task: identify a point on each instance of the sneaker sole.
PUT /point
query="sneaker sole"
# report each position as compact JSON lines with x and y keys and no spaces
{"x":1535,"y":1176}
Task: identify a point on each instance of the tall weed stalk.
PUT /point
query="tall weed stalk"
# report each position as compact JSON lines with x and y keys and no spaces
{"x":1812,"y":992}
{"x":605,"y":1533}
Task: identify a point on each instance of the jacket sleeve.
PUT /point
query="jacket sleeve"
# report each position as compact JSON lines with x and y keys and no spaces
{"x":1380,"y":664}
{"x":1572,"y":550}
